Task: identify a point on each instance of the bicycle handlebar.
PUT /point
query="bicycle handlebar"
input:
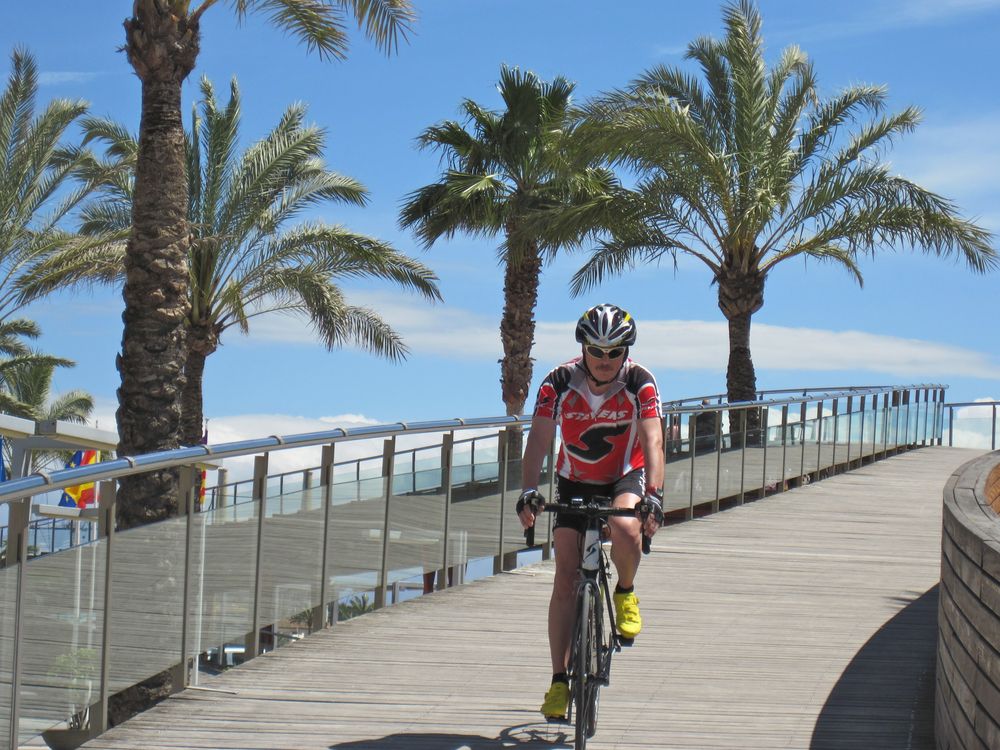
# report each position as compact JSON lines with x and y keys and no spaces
{"x":592,"y":509}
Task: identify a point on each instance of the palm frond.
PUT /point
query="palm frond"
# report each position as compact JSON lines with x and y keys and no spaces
{"x":320,"y":24}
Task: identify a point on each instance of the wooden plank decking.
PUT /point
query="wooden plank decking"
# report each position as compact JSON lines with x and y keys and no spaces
{"x":804,"y":620}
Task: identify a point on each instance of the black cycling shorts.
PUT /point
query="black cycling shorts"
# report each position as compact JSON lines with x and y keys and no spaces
{"x":634,"y":482}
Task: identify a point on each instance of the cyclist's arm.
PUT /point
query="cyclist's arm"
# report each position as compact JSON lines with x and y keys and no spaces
{"x":543,"y":430}
{"x":651,"y":440}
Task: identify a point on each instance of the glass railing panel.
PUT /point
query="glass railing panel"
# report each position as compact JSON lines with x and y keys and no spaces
{"x":731,"y":467}
{"x":677,"y":477}
{"x":223,"y":558}
{"x":292,"y":556}
{"x":807,"y":454}
{"x":972,"y":432}
{"x":892,"y":431}
{"x":704,"y":472}
{"x":475,"y":517}
{"x":831,"y":448}
{"x":772,"y":469}
{"x":357,"y":516}
{"x":416,"y":530}
{"x":8,"y":594}
{"x":61,"y":637}
{"x":147,"y":600}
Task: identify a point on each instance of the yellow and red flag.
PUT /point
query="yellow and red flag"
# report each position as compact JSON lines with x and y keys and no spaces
{"x":81,"y":495}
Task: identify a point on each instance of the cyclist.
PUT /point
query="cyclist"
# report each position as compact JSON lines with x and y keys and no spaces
{"x":607,"y":408}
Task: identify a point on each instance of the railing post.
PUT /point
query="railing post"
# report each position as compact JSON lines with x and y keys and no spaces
{"x":221,"y":493}
{"x":886,"y":409}
{"x":259,"y":496}
{"x":765,"y":413}
{"x":186,"y":488}
{"x":927,"y":399}
{"x":743,"y":458}
{"x":802,"y":421}
{"x":784,"y":446}
{"x":908,"y":442}
{"x":951,"y":426}
{"x":105,"y":530}
{"x":718,"y":459}
{"x":836,"y":435}
{"x":692,"y":452}
{"x":819,"y":439}
{"x":503,"y":455}
{"x":319,"y":613}
{"x":388,"y":468}
{"x":939,"y":414}
{"x":447,"y":458}
{"x":850,"y":430}
{"x":17,"y":552}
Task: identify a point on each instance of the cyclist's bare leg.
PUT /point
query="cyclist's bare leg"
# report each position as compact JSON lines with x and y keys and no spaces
{"x":562,"y":608}
{"x":626,"y":541}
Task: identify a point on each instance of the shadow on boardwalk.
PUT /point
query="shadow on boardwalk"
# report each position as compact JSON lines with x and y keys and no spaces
{"x":885,"y":697}
{"x":522,"y":737}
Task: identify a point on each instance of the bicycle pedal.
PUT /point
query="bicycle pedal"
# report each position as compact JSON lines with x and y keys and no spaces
{"x":557,"y":719}
{"x":625,"y":641}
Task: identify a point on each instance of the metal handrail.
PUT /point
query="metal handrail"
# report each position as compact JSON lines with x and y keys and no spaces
{"x":39,"y":482}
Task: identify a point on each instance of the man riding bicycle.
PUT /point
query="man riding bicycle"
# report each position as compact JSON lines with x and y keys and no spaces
{"x":607,"y":408}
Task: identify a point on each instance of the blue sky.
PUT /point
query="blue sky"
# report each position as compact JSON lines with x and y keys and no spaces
{"x":917,"y":319}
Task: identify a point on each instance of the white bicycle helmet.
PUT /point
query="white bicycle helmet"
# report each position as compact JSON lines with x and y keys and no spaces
{"x":606,"y":326}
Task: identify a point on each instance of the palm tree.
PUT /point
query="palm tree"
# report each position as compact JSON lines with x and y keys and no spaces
{"x":246,"y":255}
{"x":504,"y":173}
{"x":17,"y":358}
{"x":162,"y":39}
{"x":750,"y":168}
{"x":26,"y":385}
{"x":35,"y":173}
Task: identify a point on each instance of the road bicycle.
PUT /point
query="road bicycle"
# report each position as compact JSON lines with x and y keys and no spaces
{"x":595,"y":632}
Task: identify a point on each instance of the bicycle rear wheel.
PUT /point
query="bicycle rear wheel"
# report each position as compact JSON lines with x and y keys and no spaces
{"x":586,"y":651}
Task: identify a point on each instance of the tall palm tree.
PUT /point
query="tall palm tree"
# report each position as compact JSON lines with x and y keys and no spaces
{"x":749,"y":168}
{"x":504,"y":172}
{"x":36,"y":169}
{"x":162,"y":39}
{"x":247,"y":254}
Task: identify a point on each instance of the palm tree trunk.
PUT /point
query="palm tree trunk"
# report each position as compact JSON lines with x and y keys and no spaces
{"x":517,"y":326}
{"x":162,"y":49}
{"x":741,"y":294}
{"x":741,"y":379}
{"x":200,"y":344}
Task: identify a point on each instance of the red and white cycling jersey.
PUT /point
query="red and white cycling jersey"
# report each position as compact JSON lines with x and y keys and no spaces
{"x":600,"y":440}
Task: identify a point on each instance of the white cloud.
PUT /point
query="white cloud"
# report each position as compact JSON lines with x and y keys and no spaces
{"x":957,"y":158}
{"x":877,"y":18}
{"x":682,"y":344}
{"x":55,"y":77}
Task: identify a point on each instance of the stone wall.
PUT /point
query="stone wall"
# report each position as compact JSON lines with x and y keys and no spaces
{"x":967,"y":702}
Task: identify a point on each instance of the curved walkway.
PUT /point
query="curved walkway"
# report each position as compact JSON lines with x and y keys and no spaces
{"x":805,"y":620}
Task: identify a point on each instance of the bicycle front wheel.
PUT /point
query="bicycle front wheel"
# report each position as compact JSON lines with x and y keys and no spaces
{"x":586,"y":650}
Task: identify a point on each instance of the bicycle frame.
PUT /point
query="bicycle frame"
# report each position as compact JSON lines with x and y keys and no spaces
{"x":593,"y":641}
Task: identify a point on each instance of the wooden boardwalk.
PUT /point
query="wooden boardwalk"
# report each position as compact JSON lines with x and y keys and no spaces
{"x":804,"y":620}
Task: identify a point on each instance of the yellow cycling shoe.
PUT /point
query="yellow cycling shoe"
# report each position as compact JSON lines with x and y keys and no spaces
{"x":556,"y":702}
{"x":627,"y":614}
